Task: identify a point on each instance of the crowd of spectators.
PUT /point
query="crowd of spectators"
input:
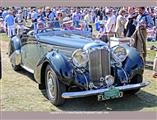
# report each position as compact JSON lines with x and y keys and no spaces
{"x":120,"y":20}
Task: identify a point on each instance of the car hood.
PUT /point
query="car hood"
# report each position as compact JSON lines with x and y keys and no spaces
{"x":73,"y":41}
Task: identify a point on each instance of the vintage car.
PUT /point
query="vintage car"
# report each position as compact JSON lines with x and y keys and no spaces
{"x":72,"y":64}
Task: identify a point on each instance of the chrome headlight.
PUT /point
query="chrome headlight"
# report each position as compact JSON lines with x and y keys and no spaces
{"x":109,"y":80}
{"x":119,"y":53}
{"x":80,"y":58}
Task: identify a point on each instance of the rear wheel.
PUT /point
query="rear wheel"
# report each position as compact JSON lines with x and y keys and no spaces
{"x":135,"y":80}
{"x":54,"y":88}
{"x":16,"y":67}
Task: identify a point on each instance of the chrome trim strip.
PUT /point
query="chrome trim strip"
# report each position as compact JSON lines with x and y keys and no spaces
{"x":27,"y":69}
{"x":95,"y":92}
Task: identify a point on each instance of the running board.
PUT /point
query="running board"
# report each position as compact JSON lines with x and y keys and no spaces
{"x":28,"y":69}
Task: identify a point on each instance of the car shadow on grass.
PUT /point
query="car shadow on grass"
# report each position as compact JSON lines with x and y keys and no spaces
{"x":127,"y":103}
{"x":26,"y":73}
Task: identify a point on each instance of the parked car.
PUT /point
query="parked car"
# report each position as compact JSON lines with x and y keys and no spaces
{"x":72,"y":64}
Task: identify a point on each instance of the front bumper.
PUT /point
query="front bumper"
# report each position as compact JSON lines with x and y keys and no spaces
{"x":99,"y":91}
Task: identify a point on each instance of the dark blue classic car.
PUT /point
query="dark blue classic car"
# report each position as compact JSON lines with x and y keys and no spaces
{"x":72,"y":64}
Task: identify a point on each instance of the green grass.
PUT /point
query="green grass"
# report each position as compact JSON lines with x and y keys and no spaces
{"x":149,"y":44}
{"x":4,"y":37}
{"x":150,"y":55}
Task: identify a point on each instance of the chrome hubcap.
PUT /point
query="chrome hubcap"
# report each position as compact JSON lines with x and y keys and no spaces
{"x":51,"y":84}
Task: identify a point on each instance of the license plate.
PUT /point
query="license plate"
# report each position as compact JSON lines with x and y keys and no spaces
{"x":110,"y":94}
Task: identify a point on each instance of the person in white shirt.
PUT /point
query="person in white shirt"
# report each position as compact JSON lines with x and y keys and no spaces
{"x":111,"y":22}
{"x":120,"y":23}
{"x":88,"y":17}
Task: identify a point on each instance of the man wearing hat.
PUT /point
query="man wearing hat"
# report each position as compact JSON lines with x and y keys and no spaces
{"x":10,"y":22}
{"x":67,"y":24}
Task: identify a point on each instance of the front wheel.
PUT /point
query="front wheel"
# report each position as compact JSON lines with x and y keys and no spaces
{"x":136,"y":79}
{"x":54,"y":88}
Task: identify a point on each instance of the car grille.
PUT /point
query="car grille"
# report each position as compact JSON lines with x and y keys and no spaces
{"x":99,"y":64}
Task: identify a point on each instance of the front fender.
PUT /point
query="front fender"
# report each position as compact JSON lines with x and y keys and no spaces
{"x":133,"y":65}
{"x":15,"y":44}
{"x":59,"y":64}
{"x":15,"y":51}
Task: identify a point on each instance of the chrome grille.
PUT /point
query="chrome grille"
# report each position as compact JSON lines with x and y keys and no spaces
{"x":99,"y":64}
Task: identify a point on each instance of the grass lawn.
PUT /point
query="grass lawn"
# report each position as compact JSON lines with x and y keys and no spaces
{"x":149,"y":44}
{"x":4,"y":37}
{"x":150,"y":55}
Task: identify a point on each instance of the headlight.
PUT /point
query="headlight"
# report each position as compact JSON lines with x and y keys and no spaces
{"x":109,"y":80}
{"x":80,"y":58}
{"x":119,"y":53}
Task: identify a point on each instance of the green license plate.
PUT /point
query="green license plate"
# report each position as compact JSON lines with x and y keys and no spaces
{"x":110,"y":94}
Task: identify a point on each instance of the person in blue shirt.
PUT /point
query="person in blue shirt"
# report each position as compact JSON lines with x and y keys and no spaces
{"x":10,"y":22}
{"x":34,"y":16}
{"x":76,"y":17}
{"x":41,"y":16}
{"x":25,"y":13}
{"x":144,"y":19}
{"x":50,"y":15}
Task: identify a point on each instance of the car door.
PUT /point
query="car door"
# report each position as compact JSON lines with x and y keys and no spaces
{"x":30,"y":52}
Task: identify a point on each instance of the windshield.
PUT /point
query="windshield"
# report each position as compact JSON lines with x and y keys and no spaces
{"x":41,"y":26}
{"x":51,"y":28}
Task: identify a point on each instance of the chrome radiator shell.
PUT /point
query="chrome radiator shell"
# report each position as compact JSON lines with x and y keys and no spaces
{"x":99,"y":64}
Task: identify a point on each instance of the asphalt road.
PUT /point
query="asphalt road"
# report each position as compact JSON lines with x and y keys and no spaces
{"x":19,"y":92}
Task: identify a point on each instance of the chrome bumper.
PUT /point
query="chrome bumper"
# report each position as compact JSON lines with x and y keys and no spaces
{"x":98,"y":91}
